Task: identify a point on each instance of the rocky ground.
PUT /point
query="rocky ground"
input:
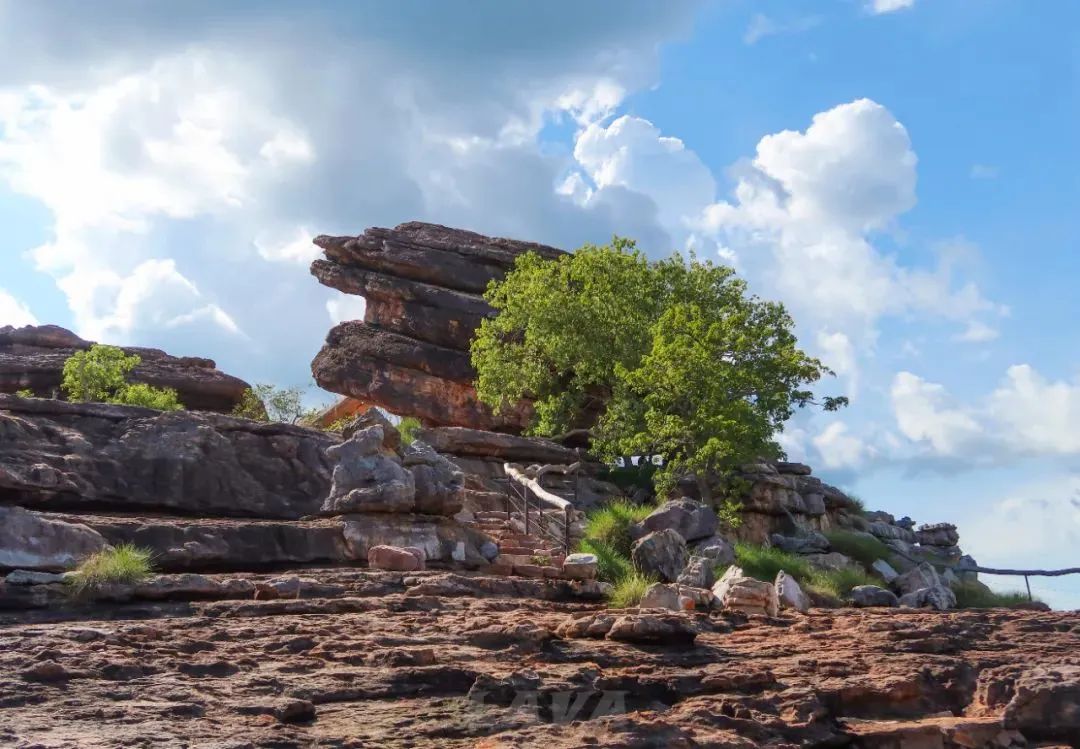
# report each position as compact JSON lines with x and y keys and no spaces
{"x":434,"y":659}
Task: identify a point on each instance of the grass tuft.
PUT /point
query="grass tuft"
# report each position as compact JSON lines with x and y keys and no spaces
{"x":629,"y":590}
{"x":763,"y":562}
{"x":610,"y":524}
{"x":978,"y":596}
{"x":612,"y":566}
{"x":864,"y":549}
{"x":125,"y":563}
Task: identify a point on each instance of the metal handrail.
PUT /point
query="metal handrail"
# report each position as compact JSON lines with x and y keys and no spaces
{"x":520,"y":486}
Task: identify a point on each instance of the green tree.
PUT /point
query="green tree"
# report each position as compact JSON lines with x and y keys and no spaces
{"x":264,"y":402}
{"x":671,"y":357}
{"x":100,"y":374}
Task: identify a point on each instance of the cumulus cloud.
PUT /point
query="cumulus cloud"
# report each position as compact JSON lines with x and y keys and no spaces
{"x":761,"y":26}
{"x":839,"y":448}
{"x":13,"y":312}
{"x":879,"y":7}
{"x":186,"y":167}
{"x":807,"y":212}
{"x":1026,"y":415}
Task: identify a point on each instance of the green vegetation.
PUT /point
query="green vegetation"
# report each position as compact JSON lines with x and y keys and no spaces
{"x":408,"y":427}
{"x":978,"y":596}
{"x":763,"y":563}
{"x":100,"y":375}
{"x":265,"y":402}
{"x":125,"y":563}
{"x":861,"y":547}
{"x":671,"y":357}
{"x":613,"y":566}
{"x":25,"y":393}
{"x":629,"y":590}
{"x":858,"y":506}
{"x":610,"y":524}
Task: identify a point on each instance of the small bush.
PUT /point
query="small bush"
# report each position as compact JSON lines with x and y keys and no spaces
{"x":25,"y":393}
{"x":408,"y":427}
{"x":125,"y":563}
{"x":978,"y":596}
{"x":838,"y":583}
{"x":763,"y":562}
{"x":147,"y":396}
{"x":864,"y":549}
{"x":611,"y":565}
{"x":610,"y":524}
{"x":857,"y":505}
{"x":629,"y":590}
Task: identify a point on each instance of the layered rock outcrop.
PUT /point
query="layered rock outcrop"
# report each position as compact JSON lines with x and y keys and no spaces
{"x":32,"y":358}
{"x":423,"y":285}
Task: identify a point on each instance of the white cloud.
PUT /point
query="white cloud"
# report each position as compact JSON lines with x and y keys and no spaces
{"x":805,"y":218}
{"x":839,"y":448}
{"x":346,"y":307}
{"x":761,"y":26}
{"x":978,"y":332}
{"x":185,"y":169}
{"x":1026,"y":415}
{"x":888,"y":6}
{"x":631,"y":153}
{"x":838,"y":353}
{"x":13,"y":312}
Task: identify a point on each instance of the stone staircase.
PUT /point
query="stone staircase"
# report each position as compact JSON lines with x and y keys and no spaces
{"x":526,"y":555}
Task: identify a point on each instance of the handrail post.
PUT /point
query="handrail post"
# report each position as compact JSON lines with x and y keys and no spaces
{"x":508,"y":498}
{"x":566,"y":530}
{"x":526,"y":509}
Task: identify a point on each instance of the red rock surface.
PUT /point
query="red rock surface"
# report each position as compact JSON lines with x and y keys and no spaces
{"x":32,"y":358}
{"x":442,"y":663}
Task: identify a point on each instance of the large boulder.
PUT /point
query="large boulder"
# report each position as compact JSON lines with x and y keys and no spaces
{"x":716,"y":549}
{"x":368,"y":479}
{"x":440,"y":485}
{"x":29,"y":541}
{"x":938,"y":534}
{"x":581,"y":566}
{"x":32,"y":358}
{"x":866,"y":596}
{"x":423,"y":285}
{"x":56,"y":455}
{"x":441,"y":539}
{"x":698,"y":573}
{"x":689,"y":518}
{"x":812,"y":542}
{"x":662,"y":553}
{"x":396,"y":558}
{"x":736,"y":592}
{"x":789,"y":595}
{"x":938,"y":597}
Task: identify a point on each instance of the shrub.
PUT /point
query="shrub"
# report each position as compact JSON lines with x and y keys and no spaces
{"x":264,"y":402}
{"x":838,"y":583}
{"x":408,"y":427}
{"x":610,"y":524}
{"x":629,"y":590}
{"x":978,"y":596}
{"x":612,"y":566}
{"x":763,"y":562}
{"x":125,"y":563}
{"x":861,"y":547}
{"x":139,"y":394}
{"x":97,"y":374}
{"x":25,"y":393}
{"x":857,"y":505}
{"x":100,"y":375}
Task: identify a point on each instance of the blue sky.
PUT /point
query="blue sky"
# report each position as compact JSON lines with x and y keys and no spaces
{"x":901,"y":173}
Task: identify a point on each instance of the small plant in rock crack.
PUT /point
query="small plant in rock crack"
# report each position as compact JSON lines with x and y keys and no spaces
{"x":123,"y":564}
{"x":541,"y":560}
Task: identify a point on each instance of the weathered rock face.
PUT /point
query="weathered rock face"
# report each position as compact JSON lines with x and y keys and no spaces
{"x":689,"y":518}
{"x":662,"y":553}
{"x":33,"y":358}
{"x":64,"y":456}
{"x":423,"y":285}
{"x":29,"y":541}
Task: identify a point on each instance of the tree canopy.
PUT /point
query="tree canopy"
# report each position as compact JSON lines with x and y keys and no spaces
{"x":671,"y":357}
{"x":100,"y":374}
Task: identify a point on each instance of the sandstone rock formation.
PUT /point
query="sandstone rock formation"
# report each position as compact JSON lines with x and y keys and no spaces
{"x":31,"y":542}
{"x":423,"y":285}
{"x":32,"y":358}
{"x":61,"y":456}
{"x":661,"y":553}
